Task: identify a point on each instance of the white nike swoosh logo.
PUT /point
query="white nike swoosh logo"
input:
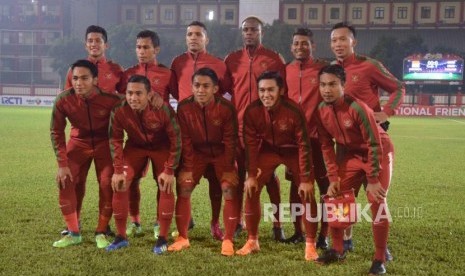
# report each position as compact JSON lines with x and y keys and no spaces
{"x":232,"y":217}
{"x":166,"y":214}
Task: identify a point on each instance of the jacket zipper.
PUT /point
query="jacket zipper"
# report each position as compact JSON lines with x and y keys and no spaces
{"x":338,"y":125}
{"x":250,"y":79}
{"x":300,"y":84}
{"x":206,"y":129}
{"x":139,"y":116}
{"x":90,"y":124}
{"x":272,"y":130}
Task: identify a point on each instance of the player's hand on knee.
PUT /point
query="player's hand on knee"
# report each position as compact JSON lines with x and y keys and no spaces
{"x":250,"y":186}
{"x":376,"y":192}
{"x":63,"y":177}
{"x":118,"y":182}
{"x":306,"y":190}
{"x":333,"y":189}
{"x":166,"y":182}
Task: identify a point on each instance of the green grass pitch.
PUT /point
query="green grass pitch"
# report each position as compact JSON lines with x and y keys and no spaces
{"x":425,"y":199}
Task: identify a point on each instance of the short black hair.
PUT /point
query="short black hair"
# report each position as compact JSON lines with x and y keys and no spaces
{"x":334,"y":69}
{"x":198,"y":23}
{"x":344,"y":25}
{"x":253,"y":17}
{"x":150,"y":34}
{"x":87,"y":64}
{"x":271,"y":75}
{"x":207,"y":72}
{"x":141,"y":79}
{"x":305,"y":32}
{"x":97,"y":29}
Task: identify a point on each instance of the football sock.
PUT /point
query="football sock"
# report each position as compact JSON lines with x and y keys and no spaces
{"x":134,"y":200}
{"x":166,"y":210}
{"x":272,"y":187}
{"x":183,"y":211}
{"x":120,"y":211}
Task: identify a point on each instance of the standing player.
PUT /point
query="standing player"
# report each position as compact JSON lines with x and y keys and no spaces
{"x":161,"y":78}
{"x":209,"y":138}
{"x":364,"y":78}
{"x":163,"y":82}
{"x":364,"y":153}
{"x":109,"y":80}
{"x":88,"y":109}
{"x":152,"y":134}
{"x":109,"y":72}
{"x":302,"y":85}
{"x":275,"y":133}
{"x":184,"y":67}
{"x":245,"y":65}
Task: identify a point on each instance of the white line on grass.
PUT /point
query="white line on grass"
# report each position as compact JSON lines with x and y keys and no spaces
{"x":428,"y":137}
{"x":457,"y":121}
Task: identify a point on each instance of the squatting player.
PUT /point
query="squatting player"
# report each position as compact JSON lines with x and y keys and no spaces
{"x":364,"y":152}
{"x":209,"y":138}
{"x":163,"y":83}
{"x":364,"y":78}
{"x":88,"y":110}
{"x":152,"y":134}
{"x":275,"y":133}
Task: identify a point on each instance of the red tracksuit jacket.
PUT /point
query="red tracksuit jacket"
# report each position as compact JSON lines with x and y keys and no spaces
{"x":364,"y":76}
{"x":151,"y":129}
{"x":303,"y":88}
{"x":89,"y":119}
{"x":186,"y":64}
{"x":280,"y":129}
{"x":208,"y":131}
{"x":245,"y":69}
{"x":352,"y":125}
{"x":161,"y":78}
{"x":109,"y":75}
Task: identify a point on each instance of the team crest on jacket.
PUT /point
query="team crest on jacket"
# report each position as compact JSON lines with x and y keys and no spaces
{"x":217,"y":122}
{"x":155,"y":81}
{"x":282,"y":125}
{"x":264,"y":65}
{"x":102,"y":113}
{"x":108,"y":75}
{"x":313,"y":81}
{"x":154,"y":125}
{"x":347,"y":123}
{"x":355,"y":78}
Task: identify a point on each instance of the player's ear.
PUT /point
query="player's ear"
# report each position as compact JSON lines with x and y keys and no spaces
{"x":157,"y":50}
{"x":354,"y":42}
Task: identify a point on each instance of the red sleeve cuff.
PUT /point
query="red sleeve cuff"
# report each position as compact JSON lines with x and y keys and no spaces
{"x":372,"y":180}
{"x":118,"y":170}
{"x":169,"y":171}
{"x":389,"y":111}
{"x":333,"y":179}
{"x":252,"y":173}
{"x":304,"y":179}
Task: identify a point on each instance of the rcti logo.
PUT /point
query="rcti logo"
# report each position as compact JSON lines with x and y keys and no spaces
{"x":12,"y":100}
